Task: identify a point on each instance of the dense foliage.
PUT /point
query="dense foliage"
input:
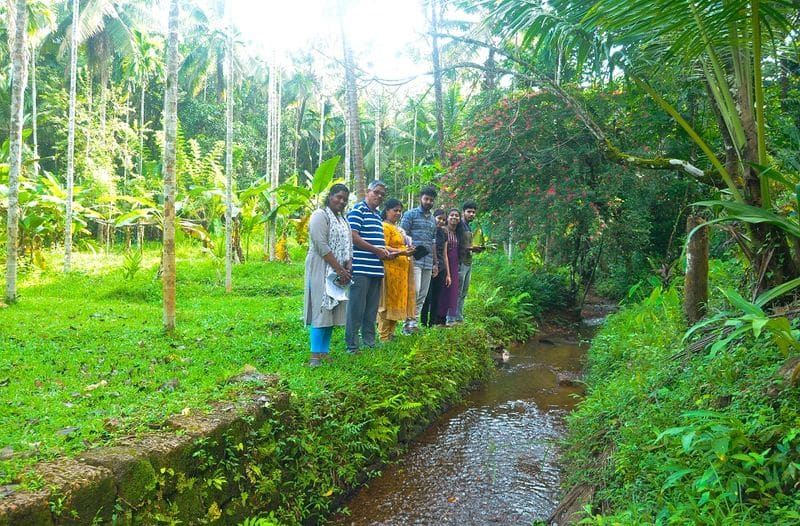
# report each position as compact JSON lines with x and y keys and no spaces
{"x":668,"y":434}
{"x":537,"y":172}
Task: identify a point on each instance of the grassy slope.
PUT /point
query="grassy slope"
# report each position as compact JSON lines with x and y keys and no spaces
{"x":85,"y":359}
{"x":732,"y":455}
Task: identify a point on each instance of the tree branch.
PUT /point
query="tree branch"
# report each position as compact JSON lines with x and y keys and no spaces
{"x":606,"y":146}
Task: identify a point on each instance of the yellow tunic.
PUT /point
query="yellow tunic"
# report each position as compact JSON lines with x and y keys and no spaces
{"x":398,"y":294}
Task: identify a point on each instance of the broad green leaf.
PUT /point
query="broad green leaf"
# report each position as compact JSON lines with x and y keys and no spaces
{"x":758,"y":324}
{"x":132,"y":217}
{"x":739,"y":302}
{"x":675,"y":478}
{"x":776,"y":292}
{"x":323,"y":175}
{"x":686,"y":440}
{"x":753,"y":214}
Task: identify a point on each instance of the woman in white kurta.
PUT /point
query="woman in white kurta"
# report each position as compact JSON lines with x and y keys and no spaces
{"x":330,"y":251}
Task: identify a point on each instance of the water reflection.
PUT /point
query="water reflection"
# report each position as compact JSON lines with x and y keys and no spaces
{"x":490,"y":460}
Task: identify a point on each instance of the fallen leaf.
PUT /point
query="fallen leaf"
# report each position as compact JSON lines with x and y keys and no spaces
{"x":8,"y":489}
{"x":451,"y":500}
{"x":92,"y":387}
{"x":111,"y":424}
{"x":67,"y":431}
{"x":170,"y":385}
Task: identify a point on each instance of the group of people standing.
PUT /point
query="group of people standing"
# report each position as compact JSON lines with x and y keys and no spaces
{"x":379,"y":264}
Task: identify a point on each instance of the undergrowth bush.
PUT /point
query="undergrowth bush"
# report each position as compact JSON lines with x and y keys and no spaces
{"x":547,"y":289}
{"x":673,"y":437}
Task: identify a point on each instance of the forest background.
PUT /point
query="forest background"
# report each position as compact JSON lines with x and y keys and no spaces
{"x":587,"y":132}
{"x":553,"y":117}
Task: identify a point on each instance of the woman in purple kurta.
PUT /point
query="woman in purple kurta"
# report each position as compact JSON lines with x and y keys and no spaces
{"x":452,"y":235}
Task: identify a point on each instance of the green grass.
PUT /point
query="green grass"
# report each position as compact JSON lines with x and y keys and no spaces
{"x":85,"y":358}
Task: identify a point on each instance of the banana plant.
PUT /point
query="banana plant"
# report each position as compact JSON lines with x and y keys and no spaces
{"x":295,"y":198}
{"x":145,"y":209}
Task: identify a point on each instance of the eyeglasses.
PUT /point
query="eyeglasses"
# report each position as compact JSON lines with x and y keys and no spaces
{"x":379,"y":193}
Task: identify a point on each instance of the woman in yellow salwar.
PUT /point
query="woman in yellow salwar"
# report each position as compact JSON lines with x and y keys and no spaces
{"x":398,"y":293}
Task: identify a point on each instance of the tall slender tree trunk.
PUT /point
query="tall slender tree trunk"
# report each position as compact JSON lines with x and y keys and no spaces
{"x":413,"y":159}
{"x":377,"y":141}
{"x":352,"y":117}
{"x":105,"y":70}
{"x":34,"y":115}
{"x":348,"y":152}
{"x":170,"y":157}
{"x":19,"y":71}
{"x":228,"y":148}
{"x":73,"y":73}
{"x":321,"y":126}
{"x":437,"y":81}
{"x":274,"y":146}
{"x":141,"y":128}
{"x":298,"y":127}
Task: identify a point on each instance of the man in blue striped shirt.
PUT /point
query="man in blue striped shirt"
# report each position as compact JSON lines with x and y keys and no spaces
{"x":369,"y":251}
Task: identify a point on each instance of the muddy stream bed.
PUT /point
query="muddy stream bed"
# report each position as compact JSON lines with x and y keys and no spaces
{"x":492,"y":459}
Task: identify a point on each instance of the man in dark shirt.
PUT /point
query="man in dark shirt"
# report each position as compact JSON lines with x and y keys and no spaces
{"x":465,"y":252}
{"x":420,"y":225}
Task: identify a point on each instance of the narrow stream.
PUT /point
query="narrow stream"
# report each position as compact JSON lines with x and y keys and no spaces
{"x":492,"y":459}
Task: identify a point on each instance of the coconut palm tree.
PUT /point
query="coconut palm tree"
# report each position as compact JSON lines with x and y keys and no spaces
{"x":139,"y":67}
{"x":437,"y":78}
{"x":357,"y":152}
{"x":17,"y":31}
{"x":41,"y":23}
{"x":273,"y":145}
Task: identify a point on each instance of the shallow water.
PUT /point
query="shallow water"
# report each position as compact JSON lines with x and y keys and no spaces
{"x":490,"y":460}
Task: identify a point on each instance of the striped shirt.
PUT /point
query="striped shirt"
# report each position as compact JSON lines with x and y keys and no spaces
{"x":367,"y":223}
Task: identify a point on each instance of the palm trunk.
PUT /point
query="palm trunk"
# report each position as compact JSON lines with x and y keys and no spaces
{"x":274,"y":146}
{"x":228,"y":151}
{"x":377,"y":141}
{"x":141,"y":129}
{"x":348,"y":152}
{"x":321,"y":128}
{"x":170,"y":154}
{"x":352,"y":117}
{"x":298,"y":127}
{"x":34,"y":115}
{"x":104,"y":74}
{"x":19,"y":70}
{"x":73,"y":72}
{"x":437,"y":81}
